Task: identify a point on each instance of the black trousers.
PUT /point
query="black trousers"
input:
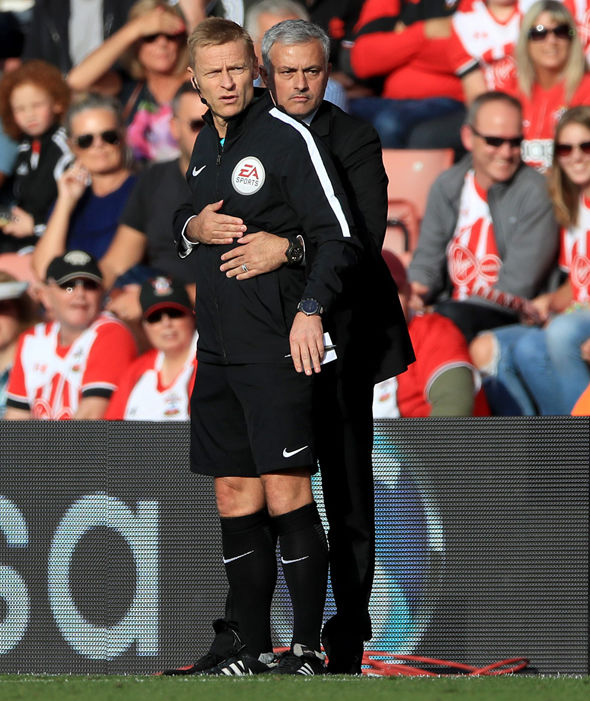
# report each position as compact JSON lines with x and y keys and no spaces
{"x":343,"y":427}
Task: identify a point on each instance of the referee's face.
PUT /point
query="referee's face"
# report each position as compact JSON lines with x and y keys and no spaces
{"x":224,"y":75}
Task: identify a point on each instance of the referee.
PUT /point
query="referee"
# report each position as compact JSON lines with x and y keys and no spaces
{"x":261,"y":341}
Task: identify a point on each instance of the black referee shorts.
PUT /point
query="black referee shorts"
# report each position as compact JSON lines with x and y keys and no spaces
{"x":247,"y":420}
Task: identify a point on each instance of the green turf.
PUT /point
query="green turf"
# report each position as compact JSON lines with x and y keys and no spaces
{"x":137,"y":688}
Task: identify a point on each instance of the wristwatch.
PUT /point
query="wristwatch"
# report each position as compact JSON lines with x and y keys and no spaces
{"x":310,"y":307}
{"x":295,"y":251}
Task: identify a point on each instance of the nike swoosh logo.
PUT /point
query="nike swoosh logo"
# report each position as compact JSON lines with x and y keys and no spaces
{"x":196,"y":172}
{"x":237,"y":557}
{"x":288,"y":562}
{"x":290,"y":453}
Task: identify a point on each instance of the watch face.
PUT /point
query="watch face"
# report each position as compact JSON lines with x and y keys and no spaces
{"x":295,"y":253}
{"x":309,"y":306}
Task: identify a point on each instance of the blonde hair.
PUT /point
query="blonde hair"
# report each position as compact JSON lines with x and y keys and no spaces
{"x":575,"y":66}
{"x":565,"y":194}
{"x":215,"y":31}
{"x":130,"y":59}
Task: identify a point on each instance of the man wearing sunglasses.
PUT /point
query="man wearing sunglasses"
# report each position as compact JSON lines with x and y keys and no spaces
{"x":68,"y":368}
{"x":488,"y":241}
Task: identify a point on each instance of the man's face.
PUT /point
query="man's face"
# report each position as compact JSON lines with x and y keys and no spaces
{"x":494,"y":164}
{"x":224,"y":75}
{"x":185,"y":126}
{"x":298,"y":77}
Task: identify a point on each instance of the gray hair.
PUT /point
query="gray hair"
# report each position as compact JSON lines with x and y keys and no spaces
{"x":280,"y":8}
{"x":485,"y":99}
{"x":94,"y":101}
{"x":293,"y":31}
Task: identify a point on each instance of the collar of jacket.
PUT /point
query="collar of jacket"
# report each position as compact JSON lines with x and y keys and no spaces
{"x":262,"y":102}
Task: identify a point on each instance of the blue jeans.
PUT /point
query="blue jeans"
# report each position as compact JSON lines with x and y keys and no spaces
{"x":563,"y":336}
{"x":395,"y":119}
{"x":540,"y":370}
{"x":505,"y":389}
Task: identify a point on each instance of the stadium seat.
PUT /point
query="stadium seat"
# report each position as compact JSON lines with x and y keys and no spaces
{"x":410,"y":173}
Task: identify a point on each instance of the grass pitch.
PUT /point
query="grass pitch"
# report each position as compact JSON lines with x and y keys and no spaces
{"x":266,"y":688}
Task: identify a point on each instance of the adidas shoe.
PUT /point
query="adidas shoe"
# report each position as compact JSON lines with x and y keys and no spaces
{"x":301,"y":660}
{"x":244,"y":665}
{"x":226,"y":644}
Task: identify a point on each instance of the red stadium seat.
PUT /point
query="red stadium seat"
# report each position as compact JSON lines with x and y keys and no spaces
{"x":410,"y":173}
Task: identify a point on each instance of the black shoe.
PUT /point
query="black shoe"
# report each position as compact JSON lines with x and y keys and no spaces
{"x":343,"y":647}
{"x":244,"y":665}
{"x":301,"y":660}
{"x":226,"y":644}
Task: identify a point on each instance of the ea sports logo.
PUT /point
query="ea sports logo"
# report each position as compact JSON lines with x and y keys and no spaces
{"x":248,"y":176}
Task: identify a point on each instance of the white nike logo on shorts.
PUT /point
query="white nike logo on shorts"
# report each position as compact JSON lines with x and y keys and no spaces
{"x":290,"y":453}
{"x":196,"y":172}
{"x":237,"y":557}
{"x":288,"y":562}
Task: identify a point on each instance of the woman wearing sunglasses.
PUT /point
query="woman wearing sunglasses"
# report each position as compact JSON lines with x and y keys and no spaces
{"x":94,"y":190}
{"x":550,"y":76}
{"x":544,"y":370}
{"x":158,"y":385}
{"x":152,"y":48}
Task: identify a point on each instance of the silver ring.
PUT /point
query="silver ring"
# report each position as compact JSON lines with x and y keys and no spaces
{"x":244,"y":267}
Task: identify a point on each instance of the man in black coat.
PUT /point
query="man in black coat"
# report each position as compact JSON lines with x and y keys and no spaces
{"x":367,"y":325}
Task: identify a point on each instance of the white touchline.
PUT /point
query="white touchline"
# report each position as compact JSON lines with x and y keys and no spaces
{"x":237,"y":557}
{"x":196,"y":172}
{"x":288,"y":562}
{"x":290,"y":453}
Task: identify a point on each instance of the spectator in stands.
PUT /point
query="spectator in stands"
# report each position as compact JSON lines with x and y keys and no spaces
{"x":409,"y":44}
{"x":63,"y":32}
{"x":94,"y":190}
{"x":543,"y":370}
{"x":264,"y":15}
{"x":551,"y":76}
{"x":488,"y":239}
{"x":16,"y":315}
{"x":443,"y":380}
{"x":33,"y":100}
{"x":158,"y":385}
{"x":488,"y":31}
{"x":69,"y":367}
{"x":145,"y":229}
{"x":153,"y":46}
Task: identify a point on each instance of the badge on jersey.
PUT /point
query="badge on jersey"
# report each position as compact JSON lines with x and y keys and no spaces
{"x":248,"y":176}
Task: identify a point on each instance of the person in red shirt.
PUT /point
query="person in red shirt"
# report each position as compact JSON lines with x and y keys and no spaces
{"x":488,"y":31}
{"x":158,"y":385}
{"x":68,"y":368}
{"x":551,"y":76}
{"x":443,"y":380}
{"x":409,"y":45}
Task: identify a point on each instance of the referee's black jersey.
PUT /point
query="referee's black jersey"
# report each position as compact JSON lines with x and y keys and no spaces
{"x":277,"y":177}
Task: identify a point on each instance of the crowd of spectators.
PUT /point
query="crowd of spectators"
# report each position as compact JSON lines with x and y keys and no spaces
{"x":98,"y":122}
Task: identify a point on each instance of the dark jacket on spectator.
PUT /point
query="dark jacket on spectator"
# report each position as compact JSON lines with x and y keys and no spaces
{"x":48,"y":37}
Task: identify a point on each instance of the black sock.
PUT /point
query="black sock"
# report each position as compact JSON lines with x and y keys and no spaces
{"x":304,"y":555}
{"x":251,"y":567}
